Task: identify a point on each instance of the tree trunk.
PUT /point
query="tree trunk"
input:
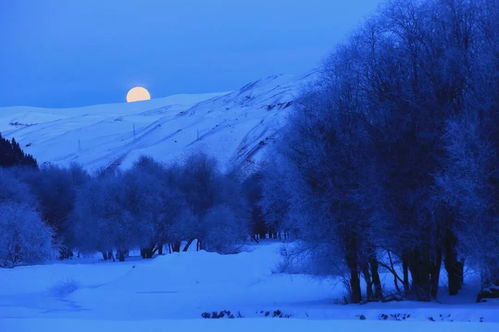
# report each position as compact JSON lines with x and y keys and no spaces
{"x":405,"y":270}
{"x":188,"y":245}
{"x":254,"y":237}
{"x":176,"y":246}
{"x":421,"y":286}
{"x":369,"y":282}
{"x":147,"y":252}
{"x":391,"y":268}
{"x":351,"y":260}
{"x":435,"y":273}
{"x":107,"y":255}
{"x":378,"y":291}
{"x":355,"y":292}
{"x":453,"y":266}
{"x":425,"y":272}
{"x":120,"y":255}
{"x":65,"y":253}
{"x":160,"y":249}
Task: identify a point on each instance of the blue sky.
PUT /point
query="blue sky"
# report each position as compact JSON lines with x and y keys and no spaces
{"x":60,"y":53}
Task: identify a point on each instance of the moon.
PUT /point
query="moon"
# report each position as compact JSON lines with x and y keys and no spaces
{"x":137,"y":93}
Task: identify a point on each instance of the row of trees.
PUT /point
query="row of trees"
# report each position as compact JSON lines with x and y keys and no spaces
{"x":146,"y":207}
{"x":394,"y":151}
{"x":151,"y":205}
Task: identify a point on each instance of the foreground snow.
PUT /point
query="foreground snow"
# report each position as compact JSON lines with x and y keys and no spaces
{"x":175,"y":290}
{"x":239,"y":325}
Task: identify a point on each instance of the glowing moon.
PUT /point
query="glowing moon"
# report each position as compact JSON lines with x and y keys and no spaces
{"x":137,"y":94}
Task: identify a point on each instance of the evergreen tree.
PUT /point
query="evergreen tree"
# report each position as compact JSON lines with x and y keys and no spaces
{"x":11,"y":154}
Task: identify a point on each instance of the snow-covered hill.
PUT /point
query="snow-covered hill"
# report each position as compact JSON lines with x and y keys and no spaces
{"x":234,"y":127}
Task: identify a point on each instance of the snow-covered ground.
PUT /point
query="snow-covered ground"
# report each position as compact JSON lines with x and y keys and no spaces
{"x":232,"y":127}
{"x":174,"y":290}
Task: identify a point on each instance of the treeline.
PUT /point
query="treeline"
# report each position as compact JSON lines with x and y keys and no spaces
{"x":11,"y":154}
{"x":393,"y":153}
{"x":148,"y":207}
{"x":151,"y":205}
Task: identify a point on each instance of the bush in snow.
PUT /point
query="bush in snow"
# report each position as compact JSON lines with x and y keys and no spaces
{"x":24,"y":237}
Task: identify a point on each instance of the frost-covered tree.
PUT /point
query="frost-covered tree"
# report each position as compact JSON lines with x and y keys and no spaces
{"x":276,"y":196}
{"x":421,"y":68}
{"x":223,"y":229}
{"x":203,"y":188}
{"x":160,"y":204}
{"x":367,"y":141}
{"x":101,"y":222}
{"x":55,"y":189}
{"x":329,"y":149}
{"x":24,"y":237}
{"x":252,"y":190}
{"x":470,"y":184}
{"x":12,"y":190}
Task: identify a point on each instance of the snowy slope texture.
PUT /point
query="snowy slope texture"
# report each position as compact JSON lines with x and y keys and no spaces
{"x":233,"y":127}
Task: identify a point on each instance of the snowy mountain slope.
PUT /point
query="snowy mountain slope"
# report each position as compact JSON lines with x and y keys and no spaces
{"x":233,"y":127}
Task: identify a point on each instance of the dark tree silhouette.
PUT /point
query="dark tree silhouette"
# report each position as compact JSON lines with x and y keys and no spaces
{"x":11,"y":154}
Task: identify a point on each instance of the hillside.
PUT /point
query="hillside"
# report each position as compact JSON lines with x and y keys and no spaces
{"x":233,"y":127}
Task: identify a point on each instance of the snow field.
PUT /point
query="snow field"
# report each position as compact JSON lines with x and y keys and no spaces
{"x":174,"y":290}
